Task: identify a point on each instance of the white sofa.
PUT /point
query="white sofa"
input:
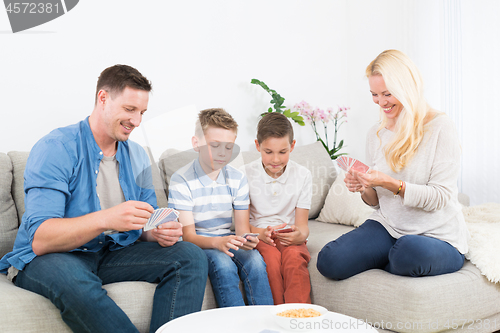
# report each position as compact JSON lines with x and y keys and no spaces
{"x":462,"y":301}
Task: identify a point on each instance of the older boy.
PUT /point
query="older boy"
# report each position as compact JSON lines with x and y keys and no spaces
{"x":280,"y":198}
{"x":205,"y":192}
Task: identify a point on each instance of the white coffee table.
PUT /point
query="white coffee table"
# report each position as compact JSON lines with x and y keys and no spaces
{"x":254,"y":319}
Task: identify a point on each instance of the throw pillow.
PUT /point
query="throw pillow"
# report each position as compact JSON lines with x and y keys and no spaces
{"x":342,"y":206}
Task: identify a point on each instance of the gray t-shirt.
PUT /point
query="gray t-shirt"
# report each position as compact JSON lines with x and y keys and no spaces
{"x":109,"y":190}
{"x":430,"y":205}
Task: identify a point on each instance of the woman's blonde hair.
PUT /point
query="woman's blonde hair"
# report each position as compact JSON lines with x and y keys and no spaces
{"x":403,"y":80}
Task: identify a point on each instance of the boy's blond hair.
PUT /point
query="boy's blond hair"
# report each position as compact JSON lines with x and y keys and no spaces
{"x":216,"y":117}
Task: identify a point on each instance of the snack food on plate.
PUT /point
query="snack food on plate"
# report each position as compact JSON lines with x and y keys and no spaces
{"x":299,"y":313}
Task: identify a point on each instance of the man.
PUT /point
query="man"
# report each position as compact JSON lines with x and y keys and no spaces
{"x":88,"y":194}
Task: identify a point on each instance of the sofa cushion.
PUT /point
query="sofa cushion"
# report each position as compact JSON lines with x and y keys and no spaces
{"x":342,"y":206}
{"x":9,"y":222}
{"x":312,"y":156}
{"x":18,"y":159}
{"x":158,"y":184}
{"x":316,"y":159}
{"x":134,"y":298}
{"x":25,"y":311}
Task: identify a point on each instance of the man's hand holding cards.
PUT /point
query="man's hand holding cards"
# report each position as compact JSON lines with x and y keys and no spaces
{"x":160,"y":216}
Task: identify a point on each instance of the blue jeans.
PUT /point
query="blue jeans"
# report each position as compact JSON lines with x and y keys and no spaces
{"x":73,"y":282}
{"x":371,"y":246}
{"x":225,"y":273}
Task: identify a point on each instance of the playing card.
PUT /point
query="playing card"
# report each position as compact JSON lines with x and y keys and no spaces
{"x":172,"y":216}
{"x":347,"y":163}
{"x":160,"y":216}
{"x":360,"y":167}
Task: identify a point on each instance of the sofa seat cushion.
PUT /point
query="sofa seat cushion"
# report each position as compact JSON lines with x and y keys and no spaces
{"x":135,"y":299}
{"x":405,"y":304}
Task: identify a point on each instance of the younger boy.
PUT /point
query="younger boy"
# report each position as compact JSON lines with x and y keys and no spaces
{"x":205,"y":192}
{"x":280,"y":198}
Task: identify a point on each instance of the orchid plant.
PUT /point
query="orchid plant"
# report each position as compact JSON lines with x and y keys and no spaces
{"x":315,"y":115}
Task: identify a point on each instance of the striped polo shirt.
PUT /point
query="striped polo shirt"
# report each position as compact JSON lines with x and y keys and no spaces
{"x":212,"y":202}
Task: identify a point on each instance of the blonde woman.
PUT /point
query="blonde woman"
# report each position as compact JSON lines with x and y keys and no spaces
{"x":417,"y":228}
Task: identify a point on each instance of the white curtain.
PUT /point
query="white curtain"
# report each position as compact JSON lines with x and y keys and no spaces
{"x":470,"y":72}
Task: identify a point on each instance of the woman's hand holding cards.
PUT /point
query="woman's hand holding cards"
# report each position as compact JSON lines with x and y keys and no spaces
{"x":352,"y":182}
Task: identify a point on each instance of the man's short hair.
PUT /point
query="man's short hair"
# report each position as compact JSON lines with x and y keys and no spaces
{"x":216,"y":117}
{"x":116,"y":78}
{"x":274,"y":125}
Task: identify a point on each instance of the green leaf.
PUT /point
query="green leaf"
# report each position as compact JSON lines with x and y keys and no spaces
{"x":324,"y":145}
{"x":334,"y":157}
{"x":340,"y":146}
{"x":294,"y":114}
{"x":287,"y":113}
{"x":260,"y":83}
{"x":301,"y":123}
{"x":276,"y":101}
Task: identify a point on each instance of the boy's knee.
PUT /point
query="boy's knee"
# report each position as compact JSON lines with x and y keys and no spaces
{"x":220,"y":262}
{"x":255,"y":260}
{"x":295,"y":253}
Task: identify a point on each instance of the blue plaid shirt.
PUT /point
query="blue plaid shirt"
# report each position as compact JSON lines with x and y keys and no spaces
{"x":60,"y":182}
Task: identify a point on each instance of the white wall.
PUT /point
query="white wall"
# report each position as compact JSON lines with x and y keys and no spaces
{"x":204,"y":53}
{"x":201,"y":53}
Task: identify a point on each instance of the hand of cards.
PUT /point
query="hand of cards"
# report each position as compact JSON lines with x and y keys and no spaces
{"x":160,"y":216}
{"x":347,"y":163}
